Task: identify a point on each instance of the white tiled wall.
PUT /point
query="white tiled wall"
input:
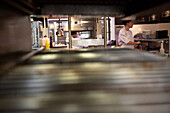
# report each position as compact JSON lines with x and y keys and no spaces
{"x":153,"y":27}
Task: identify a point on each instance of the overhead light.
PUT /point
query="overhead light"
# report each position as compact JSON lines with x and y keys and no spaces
{"x":51,"y":26}
{"x":167,"y":13}
{"x":31,"y":19}
{"x":64,"y":19}
{"x":52,"y":19}
{"x":57,"y":19}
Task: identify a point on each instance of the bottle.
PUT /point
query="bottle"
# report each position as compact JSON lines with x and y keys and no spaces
{"x":162,"y":49}
{"x":47,"y":44}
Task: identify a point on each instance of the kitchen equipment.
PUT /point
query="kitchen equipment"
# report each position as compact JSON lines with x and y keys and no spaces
{"x":162,"y":34}
{"x":146,"y":33}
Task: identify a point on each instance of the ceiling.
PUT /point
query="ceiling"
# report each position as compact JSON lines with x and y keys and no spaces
{"x":110,"y":7}
{"x":116,"y":8}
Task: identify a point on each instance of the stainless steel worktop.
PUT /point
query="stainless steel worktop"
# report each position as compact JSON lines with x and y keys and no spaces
{"x":88,"y":81}
{"x":87,"y":42}
{"x":163,"y":39}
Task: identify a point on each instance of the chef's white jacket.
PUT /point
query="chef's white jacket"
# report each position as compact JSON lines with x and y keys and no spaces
{"x":125,"y":37}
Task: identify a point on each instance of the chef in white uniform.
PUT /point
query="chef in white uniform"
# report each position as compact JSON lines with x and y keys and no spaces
{"x":126,"y":39}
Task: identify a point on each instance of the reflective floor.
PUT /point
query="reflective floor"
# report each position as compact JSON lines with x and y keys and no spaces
{"x":88,"y":81}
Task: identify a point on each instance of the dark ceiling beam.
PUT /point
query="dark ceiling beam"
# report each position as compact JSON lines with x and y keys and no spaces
{"x":155,"y":10}
{"x":19,"y":6}
{"x":94,"y":7}
{"x":26,"y":3}
{"x":83,"y":2}
{"x":103,"y":10}
{"x":136,"y":6}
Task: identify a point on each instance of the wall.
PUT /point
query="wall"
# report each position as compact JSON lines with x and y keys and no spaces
{"x":153,"y":27}
{"x":140,"y":27}
{"x":15,"y":34}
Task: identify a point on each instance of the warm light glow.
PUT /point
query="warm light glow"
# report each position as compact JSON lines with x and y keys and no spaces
{"x":51,"y":26}
{"x":89,"y":55}
{"x":167,"y":13}
{"x":68,"y":77}
{"x":83,"y":50}
{"x":45,"y":57}
{"x":96,"y":65}
{"x":139,"y":30}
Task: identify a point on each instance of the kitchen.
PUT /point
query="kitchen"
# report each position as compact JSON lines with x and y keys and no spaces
{"x":152,"y":28}
{"x":94,"y":78}
{"x":89,"y":31}
{"x":86,"y":31}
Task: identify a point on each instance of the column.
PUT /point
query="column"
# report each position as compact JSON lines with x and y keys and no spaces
{"x":113,"y":32}
{"x":69,"y":31}
{"x":105,"y":32}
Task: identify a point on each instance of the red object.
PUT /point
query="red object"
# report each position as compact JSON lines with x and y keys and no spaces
{"x":45,"y":36}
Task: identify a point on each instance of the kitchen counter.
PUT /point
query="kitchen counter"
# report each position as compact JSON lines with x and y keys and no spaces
{"x":87,"y":42}
{"x":104,"y":80}
{"x":157,"y":40}
{"x":163,"y":39}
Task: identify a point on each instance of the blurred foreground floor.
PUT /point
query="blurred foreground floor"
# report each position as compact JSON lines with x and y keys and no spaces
{"x":88,"y":81}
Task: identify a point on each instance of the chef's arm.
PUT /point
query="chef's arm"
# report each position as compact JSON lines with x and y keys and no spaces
{"x":133,"y":43}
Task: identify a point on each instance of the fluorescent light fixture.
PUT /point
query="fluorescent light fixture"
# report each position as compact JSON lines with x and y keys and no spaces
{"x":52,"y":19}
{"x":64,"y":19}
{"x":58,"y":19}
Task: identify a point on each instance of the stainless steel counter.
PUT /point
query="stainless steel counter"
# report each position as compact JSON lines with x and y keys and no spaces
{"x":87,"y":42}
{"x":163,"y":39}
{"x":156,"y":40}
{"x":88,"y":81}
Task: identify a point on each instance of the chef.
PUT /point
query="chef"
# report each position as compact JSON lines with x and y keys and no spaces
{"x":126,"y":39}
